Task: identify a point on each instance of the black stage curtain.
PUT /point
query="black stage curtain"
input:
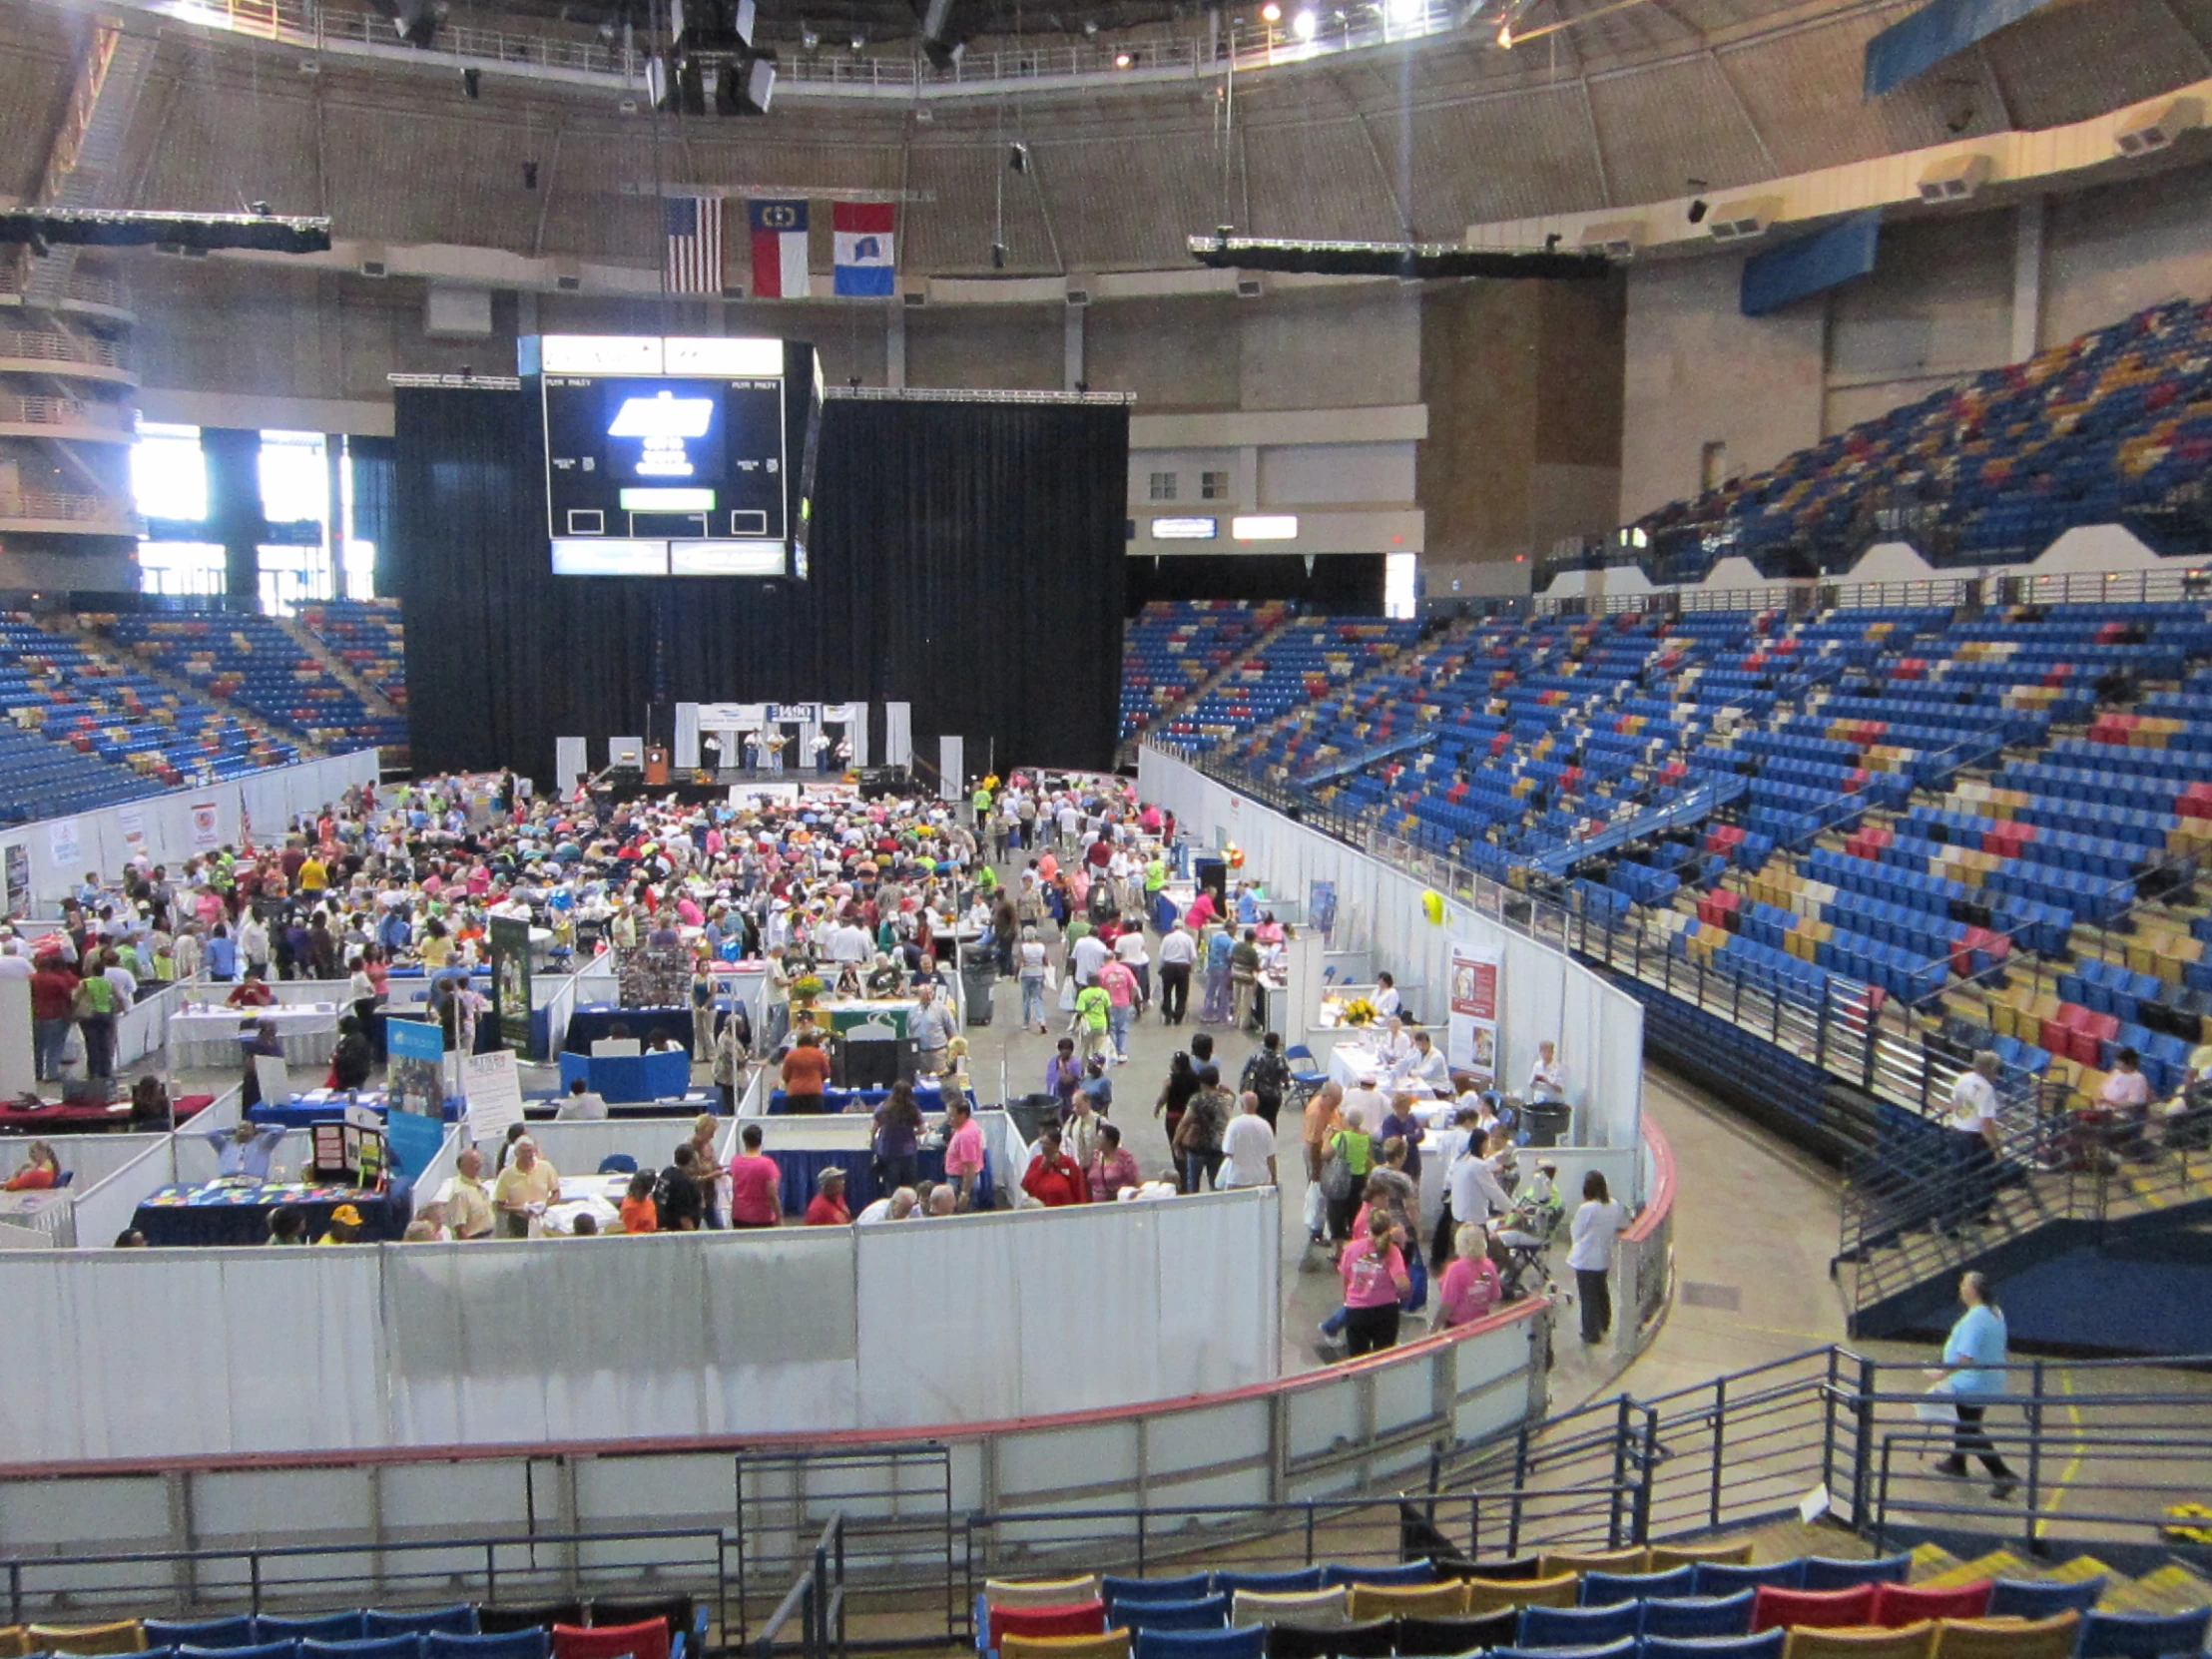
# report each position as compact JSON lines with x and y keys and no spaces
{"x":967,"y":558}
{"x":1339,"y":584}
{"x":371,"y":461}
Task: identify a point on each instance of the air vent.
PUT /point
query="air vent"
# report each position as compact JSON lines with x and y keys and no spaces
{"x":1079,"y":296}
{"x":375,"y":267}
{"x":567,"y":284}
{"x":1743,"y":220}
{"x":1956,"y":179}
{"x":1248,"y":287}
{"x":2154,"y":130}
{"x":913,"y":296}
{"x":1616,"y":241}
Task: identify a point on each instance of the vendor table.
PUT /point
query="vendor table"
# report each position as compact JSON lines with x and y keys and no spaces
{"x":591,"y":1021}
{"x":202,"y":1037}
{"x":1353,"y":1059}
{"x":328,"y":1106}
{"x":236,"y":1212}
{"x":801,"y":1170}
{"x":58,"y":1119}
{"x":599,"y":1195}
{"x":52,"y":1214}
{"x":846,"y":1014}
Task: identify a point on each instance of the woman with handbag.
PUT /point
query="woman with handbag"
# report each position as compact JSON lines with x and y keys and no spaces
{"x":1346,"y":1161}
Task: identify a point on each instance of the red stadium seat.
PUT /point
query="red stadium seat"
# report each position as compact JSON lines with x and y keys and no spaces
{"x":1895,"y":1606}
{"x":1811,"y":1610}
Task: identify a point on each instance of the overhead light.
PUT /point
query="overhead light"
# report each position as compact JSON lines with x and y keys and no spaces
{"x":1090,"y":26}
{"x":808,"y":39}
{"x":1506,"y":35}
{"x":859,"y":43}
{"x":1017,"y":156}
{"x":1698,"y":209}
{"x":2155,"y":129}
{"x":1263,"y":527}
{"x":1305,"y":25}
{"x":1125,"y":59}
{"x":1271,"y":13}
{"x":1402,"y":12}
{"x":1956,"y":179}
{"x":473,"y":83}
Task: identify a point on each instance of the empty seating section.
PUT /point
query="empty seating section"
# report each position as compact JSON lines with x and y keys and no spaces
{"x":1634,"y":1604}
{"x":1301,"y":663}
{"x":1174,"y":647}
{"x":1929,"y":798}
{"x":367,"y":637}
{"x":85,"y":731}
{"x":649,"y":1627}
{"x":2099,"y":430}
{"x":252,"y":662}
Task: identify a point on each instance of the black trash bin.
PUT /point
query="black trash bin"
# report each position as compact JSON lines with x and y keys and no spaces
{"x":1032,"y":1112}
{"x":977,"y":980}
{"x":1547,"y":1123}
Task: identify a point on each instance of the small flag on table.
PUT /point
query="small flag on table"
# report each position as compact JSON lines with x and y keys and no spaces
{"x":779,"y":249}
{"x":864,"y":261}
{"x":694,"y":244}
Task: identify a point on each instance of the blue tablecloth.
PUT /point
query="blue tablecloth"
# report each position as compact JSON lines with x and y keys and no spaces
{"x":239,"y":1214}
{"x":801,"y":1169}
{"x":625,"y":1078}
{"x":927,"y":1096}
{"x":591,"y":1021}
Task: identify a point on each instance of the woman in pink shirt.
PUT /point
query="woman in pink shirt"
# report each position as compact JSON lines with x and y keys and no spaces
{"x":1470,"y":1287}
{"x":1374,"y":1272}
{"x":756,"y":1185}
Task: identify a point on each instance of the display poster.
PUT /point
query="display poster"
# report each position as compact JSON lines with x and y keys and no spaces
{"x":1321,"y":907}
{"x":132,"y":821}
{"x":493,"y":1089}
{"x":416,"y":1079}
{"x":274,"y":1078}
{"x":207,"y":826}
{"x":17,"y":877}
{"x":1470,"y":1039}
{"x":510,"y":980}
{"x":62,"y":843}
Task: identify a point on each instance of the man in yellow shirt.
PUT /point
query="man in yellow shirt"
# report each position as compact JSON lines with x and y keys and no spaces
{"x":315,"y":875}
{"x":524,"y":1188}
{"x":467,"y":1200}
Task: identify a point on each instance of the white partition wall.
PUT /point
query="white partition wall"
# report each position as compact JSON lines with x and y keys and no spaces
{"x":182,"y":822}
{"x":1542,"y":992}
{"x":822,"y":1330}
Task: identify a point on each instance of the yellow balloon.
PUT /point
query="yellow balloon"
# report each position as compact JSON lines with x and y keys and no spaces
{"x":1433,"y":906}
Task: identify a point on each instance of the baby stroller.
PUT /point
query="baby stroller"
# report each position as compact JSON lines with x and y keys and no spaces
{"x":1526,"y":1239}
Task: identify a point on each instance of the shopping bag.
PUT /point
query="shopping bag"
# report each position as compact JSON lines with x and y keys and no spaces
{"x":1316,"y":1208}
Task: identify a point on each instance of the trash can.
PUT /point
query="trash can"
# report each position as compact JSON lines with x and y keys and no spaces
{"x":977,"y":980}
{"x":1032,"y":1112}
{"x":1547,"y":1123}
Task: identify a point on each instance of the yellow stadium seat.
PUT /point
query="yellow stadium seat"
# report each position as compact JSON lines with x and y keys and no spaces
{"x":1406,"y":1601}
{"x":2051,"y":1638}
{"x":1040,"y":1592}
{"x":1487,"y":1595}
{"x":122,"y":1636}
{"x":1914,"y":1641}
{"x":1609,"y":1560}
{"x":1114,"y":1644}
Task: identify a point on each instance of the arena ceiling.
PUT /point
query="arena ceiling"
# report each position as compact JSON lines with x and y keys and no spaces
{"x":1623,"y":102}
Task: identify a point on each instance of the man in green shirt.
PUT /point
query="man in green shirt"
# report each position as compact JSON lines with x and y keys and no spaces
{"x":1092,"y":1008}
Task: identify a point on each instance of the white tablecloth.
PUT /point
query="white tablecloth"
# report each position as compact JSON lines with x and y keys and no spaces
{"x":1354,"y":1059}
{"x":599,"y":1195}
{"x":209,"y":1037}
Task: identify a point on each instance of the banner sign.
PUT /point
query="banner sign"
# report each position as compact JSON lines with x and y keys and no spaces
{"x":494,"y":1092}
{"x":207,"y":826}
{"x":61,"y":841}
{"x":1321,"y":907}
{"x":132,"y":821}
{"x":510,"y":980}
{"x":795,"y":714}
{"x":18,"y":865}
{"x":416,"y":1080}
{"x":1470,"y":1041}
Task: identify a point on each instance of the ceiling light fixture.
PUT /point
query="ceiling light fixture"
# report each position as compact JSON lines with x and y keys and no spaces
{"x":1271,"y":13}
{"x":1305,"y":25}
{"x":1125,"y":59}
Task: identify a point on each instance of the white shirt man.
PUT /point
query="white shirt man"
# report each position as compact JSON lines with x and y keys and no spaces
{"x":1429,"y":1065}
{"x":1089,"y":957}
{"x":1178,"y":948}
{"x":1247,"y":1148}
{"x":1547,"y":1079}
{"x":849,"y":944}
{"x":13,"y":963}
{"x":1973,"y":1099}
{"x":1476,"y":1194}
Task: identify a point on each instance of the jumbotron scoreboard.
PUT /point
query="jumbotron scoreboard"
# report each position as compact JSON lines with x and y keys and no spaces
{"x":677,"y":456}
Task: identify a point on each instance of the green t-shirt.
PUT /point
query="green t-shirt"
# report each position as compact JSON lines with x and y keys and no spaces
{"x":1155,"y":876}
{"x":1092,"y":1002}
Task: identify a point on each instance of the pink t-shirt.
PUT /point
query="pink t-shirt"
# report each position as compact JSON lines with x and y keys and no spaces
{"x":1470,"y":1288}
{"x":1119,"y":982}
{"x":963,"y":1154}
{"x":1371,"y":1281}
{"x":754,"y":1186}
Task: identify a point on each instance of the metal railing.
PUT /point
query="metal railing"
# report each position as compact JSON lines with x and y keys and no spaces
{"x":45,"y":347}
{"x":201,"y":1583}
{"x":815,"y":1602}
{"x":64,"y":411}
{"x":56,"y":504}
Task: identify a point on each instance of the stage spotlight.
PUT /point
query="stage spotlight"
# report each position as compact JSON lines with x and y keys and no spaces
{"x":1271,"y":13}
{"x":1090,"y":27}
{"x":1125,"y":59}
{"x":1018,"y":157}
{"x":1305,"y":25}
{"x":859,"y":43}
{"x":473,"y":83}
{"x":1506,"y":35}
{"x":808,"y":39}
{"x":998,"y":256}
{"x":1402,"y":12}
{"x":1697,"y":210}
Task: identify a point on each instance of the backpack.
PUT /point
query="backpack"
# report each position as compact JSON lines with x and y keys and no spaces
{"x":1266,"y":1074}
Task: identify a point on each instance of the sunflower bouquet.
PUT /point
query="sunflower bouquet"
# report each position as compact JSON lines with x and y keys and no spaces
{"x":1358,"y":1011}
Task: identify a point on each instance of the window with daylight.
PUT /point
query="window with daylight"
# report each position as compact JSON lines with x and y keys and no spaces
{"x":169,"y":475}
{"x":1401,"y":590}
{"x":1163,"y":486}
{"x":180,"y":567}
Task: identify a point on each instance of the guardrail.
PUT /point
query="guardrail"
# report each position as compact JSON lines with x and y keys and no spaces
{"x":74,"y":509}
{"x":64,"y":411}
{"x":816,"y":1601}
{"x":45,"y":347}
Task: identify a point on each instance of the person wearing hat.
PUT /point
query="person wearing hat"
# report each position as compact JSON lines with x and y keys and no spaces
{"x":829,"y":1208}
{"x":346,"y":1226}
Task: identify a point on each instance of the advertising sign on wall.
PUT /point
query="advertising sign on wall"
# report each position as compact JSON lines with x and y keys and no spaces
{"x":1470,"y":1039}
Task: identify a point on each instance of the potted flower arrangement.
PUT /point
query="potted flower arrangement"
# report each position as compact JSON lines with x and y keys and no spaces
{"x":807,"y":992}
{"x":1358,"y":1011}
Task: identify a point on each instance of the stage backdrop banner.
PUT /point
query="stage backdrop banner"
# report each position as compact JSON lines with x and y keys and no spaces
{"x":932,"y":520}
{"x":1470,"y":1043}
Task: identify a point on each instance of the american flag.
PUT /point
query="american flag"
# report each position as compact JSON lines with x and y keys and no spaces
{"x":694,"y":244}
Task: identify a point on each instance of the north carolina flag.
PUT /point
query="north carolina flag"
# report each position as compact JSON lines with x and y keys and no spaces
{"x":865,"y":262}
{"x":779,"y":249}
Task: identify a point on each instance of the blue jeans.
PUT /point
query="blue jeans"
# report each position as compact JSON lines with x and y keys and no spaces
{"x":1117,"y":1023}
{"x":1199,"y":1170}
{"x":1032,"y":1001}
{"x":47,"y":1037}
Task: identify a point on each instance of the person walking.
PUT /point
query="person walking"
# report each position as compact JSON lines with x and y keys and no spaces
{"x":1597,"y":1224}
{"x":1970,"y":1131}
{"x":1972,"y":1375}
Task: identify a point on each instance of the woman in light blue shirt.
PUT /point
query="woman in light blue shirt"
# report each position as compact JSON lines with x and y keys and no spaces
{"x":1972,"y":1374}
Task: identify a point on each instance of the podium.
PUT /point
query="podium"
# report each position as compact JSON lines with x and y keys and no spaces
{"x":656,"y":767}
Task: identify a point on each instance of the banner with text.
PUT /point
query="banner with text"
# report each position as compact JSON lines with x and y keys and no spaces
{"x":510,"y":980}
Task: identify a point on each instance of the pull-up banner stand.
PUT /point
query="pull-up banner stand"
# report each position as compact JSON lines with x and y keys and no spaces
{"x":951,"y":767}
{"x":899,"y":734}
